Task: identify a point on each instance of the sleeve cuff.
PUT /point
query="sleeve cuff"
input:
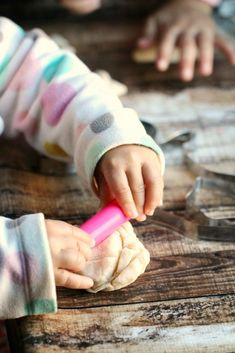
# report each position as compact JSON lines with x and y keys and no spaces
{"x":27,"y":284}
{"x":108,"y":131}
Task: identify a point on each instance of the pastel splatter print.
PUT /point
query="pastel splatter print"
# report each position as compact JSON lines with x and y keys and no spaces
{"x":40,"y":306}
{"x":13,"y":224}
{"x":56,"y":67}
{"x":54,"y":150}
{"x":55,"y":100}
{"x":93,"y":154}
{"x":24,"y":122}
{"x":21,"y":268}
{"x":102,"y":123}
{"x":4,"y":62}
{"x":25,"y":78}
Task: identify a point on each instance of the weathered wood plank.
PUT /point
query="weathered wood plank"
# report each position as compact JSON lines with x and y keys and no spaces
{"x":179,"y":266}
{"x":190,"y":325}
{"x":113,"y":40}
{"x":167,"y":278}
{"x":59,"y":197}
{"x":63,"y":197}
{"x":50,"y":9}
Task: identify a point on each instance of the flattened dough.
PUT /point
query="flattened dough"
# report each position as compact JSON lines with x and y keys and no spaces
{"x":118,"y":261}
{"x":149,"y":55}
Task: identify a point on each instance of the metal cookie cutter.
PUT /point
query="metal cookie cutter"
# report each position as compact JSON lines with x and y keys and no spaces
{"x":193,"y":230}
{"x":186,"y":138}
{"x":200,"y":169}
{"x":212,"y":152}
{"x":178,"y":137}
{"x":203,"y":205}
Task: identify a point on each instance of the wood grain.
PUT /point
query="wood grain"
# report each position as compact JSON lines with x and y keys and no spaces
{"x":168,"y":326}
{"x":113,"y":40}
{"x":185,"y":300}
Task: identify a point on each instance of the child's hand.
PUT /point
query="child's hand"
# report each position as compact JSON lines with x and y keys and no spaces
{"x":131,"y":174}
{"x":70,"y":249}
{"x":189,"y":26}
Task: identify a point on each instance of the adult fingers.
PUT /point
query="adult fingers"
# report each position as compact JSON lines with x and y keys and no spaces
{"x":72,"y":280}
{"x":188,"y":53}
{"x":149,"y":33}
{"x":227,"y":47}
{"x":153,"y":189}
{"x":166,"y":45}
{"x":206,"y":53}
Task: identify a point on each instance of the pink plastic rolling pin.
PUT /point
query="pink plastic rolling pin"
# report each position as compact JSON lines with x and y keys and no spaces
{"x":105,"y":222}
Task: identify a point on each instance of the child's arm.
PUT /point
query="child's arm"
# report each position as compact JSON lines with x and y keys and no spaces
{"x":64,"y":110}
{"x":36,"y":255}
{"x":189,"y":26}
{"x":27,"y":284}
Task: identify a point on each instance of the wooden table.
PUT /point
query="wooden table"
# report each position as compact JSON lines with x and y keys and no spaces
{"x":185,"y":301}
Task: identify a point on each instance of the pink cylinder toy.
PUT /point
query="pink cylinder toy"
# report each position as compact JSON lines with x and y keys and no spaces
{"x":105,"y":222}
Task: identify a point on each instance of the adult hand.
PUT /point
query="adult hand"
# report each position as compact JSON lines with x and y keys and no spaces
{"x":189,"y":26}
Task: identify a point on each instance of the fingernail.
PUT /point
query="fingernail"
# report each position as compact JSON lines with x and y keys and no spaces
{"x":161,"y":202}
{"x":90,"y":282}
{"x":143,"y":42}
{"x":141,"y":218}
{"x":207,"y":69}
{"x":132,"y":213}
{"x":162,"y":64}
{"x":93,"y":243}
{"x":187,"y":75}
{"x":149,"y":212}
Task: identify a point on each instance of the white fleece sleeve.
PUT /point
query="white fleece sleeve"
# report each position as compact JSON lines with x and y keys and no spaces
{"x":63,"y":109}
{"x":27,"y":284}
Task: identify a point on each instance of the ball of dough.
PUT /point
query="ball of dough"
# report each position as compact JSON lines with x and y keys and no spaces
{"x":118,"y":261}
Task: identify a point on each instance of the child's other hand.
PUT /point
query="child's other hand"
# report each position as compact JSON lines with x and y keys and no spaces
{"x":131,"y":174}
{"x":189,"y":26}
{"x":70,"y":249}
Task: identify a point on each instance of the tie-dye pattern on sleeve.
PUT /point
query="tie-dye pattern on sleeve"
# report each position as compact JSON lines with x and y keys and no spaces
{"x":25,"y":268}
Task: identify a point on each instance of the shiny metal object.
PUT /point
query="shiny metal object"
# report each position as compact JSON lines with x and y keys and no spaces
{"x":211,"y":203}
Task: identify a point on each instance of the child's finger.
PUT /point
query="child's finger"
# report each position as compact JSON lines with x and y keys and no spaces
{"x":73,"y":260}
{"x":72,"y":280}
{"x":153,"y":189}
{"x":188,"y":51}
{"x":118,"y":183}
{"x":104,"y":193}
{"x":165,"y":48}
{"x":206,"y":53}
{"x":82,"y":236}
{"x":137,"y":187}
